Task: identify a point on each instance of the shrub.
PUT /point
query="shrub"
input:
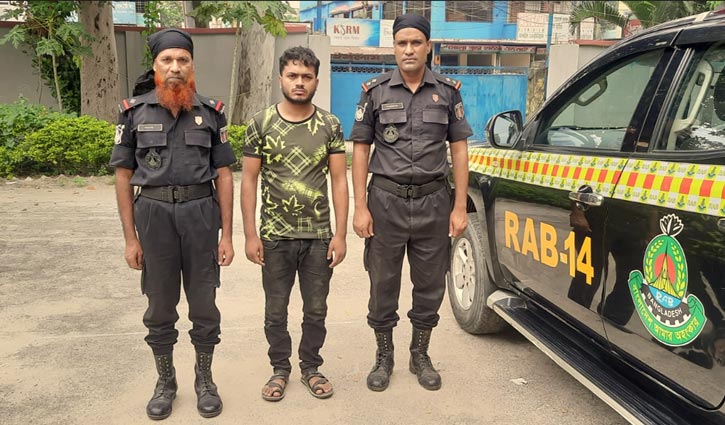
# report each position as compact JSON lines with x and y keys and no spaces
{"x":6,"y":163}
{"x":70,"y":145}
{"x":20,"y":118}
{"x":236,"y":138}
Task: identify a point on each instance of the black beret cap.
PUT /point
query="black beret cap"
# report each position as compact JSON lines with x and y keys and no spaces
{"x":411,"y":20}
{"x":170,"y":38}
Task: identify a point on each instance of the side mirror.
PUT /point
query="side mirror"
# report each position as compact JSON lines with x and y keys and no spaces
{"x":503,"y":129}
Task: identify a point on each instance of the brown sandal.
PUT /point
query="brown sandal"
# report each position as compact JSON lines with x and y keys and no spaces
{"x":307,"y":375}
{"x":277,"y":388}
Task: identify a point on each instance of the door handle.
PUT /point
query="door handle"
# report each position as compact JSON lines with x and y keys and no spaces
{"x":591,"y":199}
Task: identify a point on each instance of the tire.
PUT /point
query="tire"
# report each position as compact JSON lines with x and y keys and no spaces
{"x":469,"y":283}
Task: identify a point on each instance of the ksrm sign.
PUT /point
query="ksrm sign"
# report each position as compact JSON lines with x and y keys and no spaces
{"x":360,"y":32}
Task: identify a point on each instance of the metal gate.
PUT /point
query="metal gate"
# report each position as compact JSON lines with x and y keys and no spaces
{"x":486,"y":90}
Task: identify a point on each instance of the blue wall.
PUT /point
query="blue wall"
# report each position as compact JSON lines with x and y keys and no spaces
{"x":346,"y":88}
{"x":483,"y":96}
{"x":486,"y":95}
{"x":496,"y":30}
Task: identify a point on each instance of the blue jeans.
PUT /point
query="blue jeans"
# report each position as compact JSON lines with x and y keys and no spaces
{"x":283,"y":261}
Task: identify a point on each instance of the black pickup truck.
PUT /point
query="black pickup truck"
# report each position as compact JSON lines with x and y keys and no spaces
{"x":597,"y":230}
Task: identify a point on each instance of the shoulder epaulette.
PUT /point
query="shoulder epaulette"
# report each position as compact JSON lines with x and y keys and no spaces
{"x":449,"y":81}
{"x":216,"y":105}
{"x":129,"y":103}
{"x":376,"y":81}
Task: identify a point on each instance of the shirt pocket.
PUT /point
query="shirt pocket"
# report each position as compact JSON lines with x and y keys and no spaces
{"x":150,"y":139}
{"x":151,"y":149}
{"x":397,"y":116}
{"x":435,"y":124}
{"x":198,"y":146}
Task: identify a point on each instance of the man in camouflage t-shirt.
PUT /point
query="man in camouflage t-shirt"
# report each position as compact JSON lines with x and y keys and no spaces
{"x":294,"y":145}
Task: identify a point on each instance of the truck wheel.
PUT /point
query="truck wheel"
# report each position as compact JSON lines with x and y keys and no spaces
{"x":469,"y":283}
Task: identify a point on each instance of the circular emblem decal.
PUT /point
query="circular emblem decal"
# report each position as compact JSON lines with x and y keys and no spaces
{"x":391,"y":133}
{"x":670,"y":314}
{"x":153,"y":159}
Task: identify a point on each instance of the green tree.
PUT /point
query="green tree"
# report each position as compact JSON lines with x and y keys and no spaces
{"x":55,"y":43}
{"x":171,"y":13}
{"x":251,"y":19}
{"x":649,"y":13}
{"x":151,"y":21}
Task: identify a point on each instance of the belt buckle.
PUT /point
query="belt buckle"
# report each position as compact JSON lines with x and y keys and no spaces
{"x":175,"y":194}
{"x":407,"y":191}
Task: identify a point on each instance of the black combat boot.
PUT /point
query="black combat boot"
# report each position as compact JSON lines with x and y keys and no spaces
{"x":420,"y":363}
{"x":209,"y":404}
{"x":159,"y":407}
{"x":379,"y":377}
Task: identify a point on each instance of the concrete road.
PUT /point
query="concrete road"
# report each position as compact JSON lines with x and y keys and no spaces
{"x":72,"y":348}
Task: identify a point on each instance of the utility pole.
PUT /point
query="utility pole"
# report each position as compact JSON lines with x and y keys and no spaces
{"x":549,"y":31}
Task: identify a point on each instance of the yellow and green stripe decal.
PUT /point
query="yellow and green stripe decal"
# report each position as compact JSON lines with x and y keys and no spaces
{"x":681,"y":186}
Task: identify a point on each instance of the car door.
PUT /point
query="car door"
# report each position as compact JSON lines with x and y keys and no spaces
{"x":664,"y":299}
{"x":550,"y":204}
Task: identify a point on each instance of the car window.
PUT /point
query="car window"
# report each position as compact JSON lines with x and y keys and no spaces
{"x":696,"y":119}
{"x":598,"y":115}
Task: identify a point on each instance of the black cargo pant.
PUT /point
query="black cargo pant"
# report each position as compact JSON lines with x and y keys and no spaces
{"x":178,"y":240}
{"x":283,"y":261}
{"x":421,"y":226}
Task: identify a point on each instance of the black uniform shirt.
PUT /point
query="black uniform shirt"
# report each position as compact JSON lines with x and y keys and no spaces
{"x":409,"y":130}
{"x":167,"y":151}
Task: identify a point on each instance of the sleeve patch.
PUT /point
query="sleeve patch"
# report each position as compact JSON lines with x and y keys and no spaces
{"x":119,"y":133}
{"x":224,"y":134}
{"x":459,"y":111}
{"x":360,"y":112}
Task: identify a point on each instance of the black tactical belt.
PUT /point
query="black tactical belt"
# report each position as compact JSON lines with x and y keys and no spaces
{"x":407,"y":191}
{"x":175,"y":194}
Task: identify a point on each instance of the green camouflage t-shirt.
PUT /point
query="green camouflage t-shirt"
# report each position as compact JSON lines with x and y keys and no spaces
{"x":294,"y":155}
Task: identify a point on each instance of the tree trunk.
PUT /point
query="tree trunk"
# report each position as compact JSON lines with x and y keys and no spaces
{"x":254,"y":85}
{"x":100,"y":92}
{"x":198,"y":23}
{"x":57,"y":83}
{"x":235,"y":70}
{"x":55,"y":73}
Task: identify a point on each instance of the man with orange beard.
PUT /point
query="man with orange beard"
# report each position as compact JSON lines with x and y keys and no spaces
{"x":171,"y":143}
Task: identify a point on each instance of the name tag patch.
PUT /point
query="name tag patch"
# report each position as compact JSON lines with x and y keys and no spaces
{"x":150,"y":127}
{"x":390,"y":106}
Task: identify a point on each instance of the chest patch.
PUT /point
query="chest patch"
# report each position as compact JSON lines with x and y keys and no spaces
{"x":391,"y":106}
{"x":391,"y":133}
{"x":153,"y":159}
{"x":150,"y":127}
